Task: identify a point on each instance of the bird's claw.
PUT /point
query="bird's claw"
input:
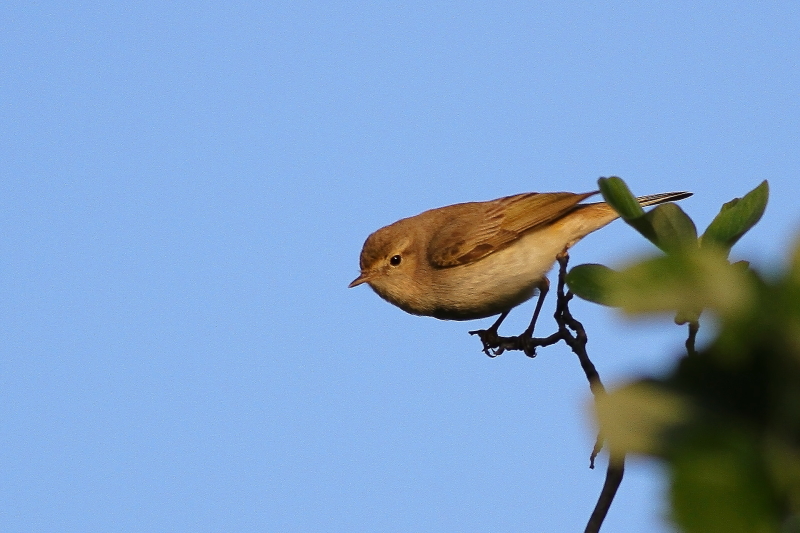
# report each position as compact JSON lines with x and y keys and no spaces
{"x":490,"y":341}
{"x":528,"y":347}
{"x":494,"y":344}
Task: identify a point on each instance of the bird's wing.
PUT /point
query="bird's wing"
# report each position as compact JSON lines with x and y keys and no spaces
{"x":486,"y":227}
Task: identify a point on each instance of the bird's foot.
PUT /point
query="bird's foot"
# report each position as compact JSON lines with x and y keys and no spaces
{"x":494,"y":344}
{"x":490,"y":340}
{"x":526,"y":344}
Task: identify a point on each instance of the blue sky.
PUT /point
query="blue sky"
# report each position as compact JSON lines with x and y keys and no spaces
{"x":184,"y":191}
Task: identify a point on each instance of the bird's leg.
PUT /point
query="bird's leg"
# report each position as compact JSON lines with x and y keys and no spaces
{"x":489,"y":336}
{"x":494,"y":345}
{"x":544,"y":287}
{"x":499,"y":321}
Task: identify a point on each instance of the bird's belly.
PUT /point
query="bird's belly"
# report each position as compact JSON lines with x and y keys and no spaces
{"x":496,"y":283}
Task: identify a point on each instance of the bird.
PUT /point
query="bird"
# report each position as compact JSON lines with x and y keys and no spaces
{"x":475,"y":260}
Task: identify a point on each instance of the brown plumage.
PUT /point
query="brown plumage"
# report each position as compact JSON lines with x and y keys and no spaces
{"x":479,"y":259}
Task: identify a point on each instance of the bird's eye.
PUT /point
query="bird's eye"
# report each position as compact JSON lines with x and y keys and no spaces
{"x":395,"y":260}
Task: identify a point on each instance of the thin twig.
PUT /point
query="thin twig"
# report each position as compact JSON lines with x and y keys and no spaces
{"x":694,"y":326}
{"x":614,"y":473}
{"x":572,"y":332}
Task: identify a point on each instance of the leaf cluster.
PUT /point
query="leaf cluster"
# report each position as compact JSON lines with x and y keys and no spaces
{"x":726,"y":419}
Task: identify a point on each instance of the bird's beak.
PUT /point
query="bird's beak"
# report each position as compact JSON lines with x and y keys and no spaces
{"x":362,"y":278}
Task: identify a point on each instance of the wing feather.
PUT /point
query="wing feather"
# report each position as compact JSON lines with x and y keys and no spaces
{"x":479,"y":229}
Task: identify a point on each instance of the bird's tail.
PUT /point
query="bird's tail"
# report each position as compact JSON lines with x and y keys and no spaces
{"x":654,"y":199}
{"x":586,"y":218}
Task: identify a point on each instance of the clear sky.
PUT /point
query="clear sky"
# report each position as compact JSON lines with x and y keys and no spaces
{"x":184,"y":192}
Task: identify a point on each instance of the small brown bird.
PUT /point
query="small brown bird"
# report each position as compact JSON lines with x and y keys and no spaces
{"x":480,"y":259}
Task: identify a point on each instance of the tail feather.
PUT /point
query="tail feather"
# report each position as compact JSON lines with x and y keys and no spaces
{"x":654,"y":199}
{"x":596,"y":215}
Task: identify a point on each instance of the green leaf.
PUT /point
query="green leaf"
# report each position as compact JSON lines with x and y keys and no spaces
{"x":720,"y":484}
{"x":794,"y":263}
{"x":637,"y":417}
{"x":616,"y":193}
{"x":673,"y":228}
{"x":683,"y":283}
{"x":591,"y":282}
{"x":684,"y":316}
{"x":736,"y":218}
{"x":783,"y":461}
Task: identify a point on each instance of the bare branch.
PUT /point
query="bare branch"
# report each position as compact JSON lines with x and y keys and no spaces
{"x":572,"y":332}
{"x":616,"y":469}
{"x":694,"y":326}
